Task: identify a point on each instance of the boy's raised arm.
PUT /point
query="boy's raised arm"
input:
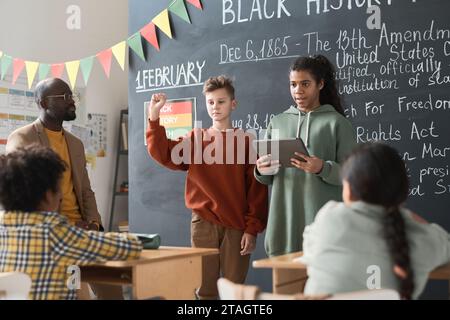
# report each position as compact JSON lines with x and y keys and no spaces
{"x":158,"y":145}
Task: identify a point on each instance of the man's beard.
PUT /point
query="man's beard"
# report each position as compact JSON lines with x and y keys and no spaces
{"x":69,"y":116}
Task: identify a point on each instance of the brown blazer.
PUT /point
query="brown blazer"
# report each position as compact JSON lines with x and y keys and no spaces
{"x":34,"y":134}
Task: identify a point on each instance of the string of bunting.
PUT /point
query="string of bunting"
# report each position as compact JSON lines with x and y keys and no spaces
{"x":134,"y":42}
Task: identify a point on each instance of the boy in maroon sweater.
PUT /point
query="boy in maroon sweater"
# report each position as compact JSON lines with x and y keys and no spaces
{"x":229,"y":207}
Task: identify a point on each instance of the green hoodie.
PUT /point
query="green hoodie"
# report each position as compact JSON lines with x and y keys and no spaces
{"x":296,"y":195}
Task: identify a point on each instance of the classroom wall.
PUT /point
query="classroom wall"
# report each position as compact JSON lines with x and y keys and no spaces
{"x":36,"y":30}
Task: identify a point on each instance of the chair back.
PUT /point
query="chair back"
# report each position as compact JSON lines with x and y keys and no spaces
{"x":14,"y":286}
{"x":375,"y":294}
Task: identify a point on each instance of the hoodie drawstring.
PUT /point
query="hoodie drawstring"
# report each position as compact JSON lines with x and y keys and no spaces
{"x":307,"y":130}
{"x":307,"y":127}
{"x":298,"y":125}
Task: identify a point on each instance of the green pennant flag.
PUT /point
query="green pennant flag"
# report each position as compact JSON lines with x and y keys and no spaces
{"x":135,"y":43}
{"x":6,"y":62}
{"x":44,"y":69}
{"x":178,"y":7}
{"x":86,"y":67}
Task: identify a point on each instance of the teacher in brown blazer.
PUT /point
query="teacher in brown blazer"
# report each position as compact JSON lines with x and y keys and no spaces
{"x":56,"y":103}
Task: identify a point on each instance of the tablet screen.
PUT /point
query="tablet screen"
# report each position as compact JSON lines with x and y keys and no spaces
{"x":282,"y":150}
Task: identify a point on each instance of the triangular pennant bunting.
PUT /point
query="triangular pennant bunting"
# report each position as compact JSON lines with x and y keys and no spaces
{"x":179,"y":8}
{"x":119,"y":51}
{"x":6,"y":62}
{"x":135,"y":44}
{"x":44,"y":69}
{"x":72,"y":71}
{"x":86,"y":68}
{"x":105,"y":60}
{"x":163,"y":23}
{"x":18,"y":66}
{"x":149,"y":33}
{"x":57,"y":70}
{"x":31,"y":67}
{"x":196,"y":3}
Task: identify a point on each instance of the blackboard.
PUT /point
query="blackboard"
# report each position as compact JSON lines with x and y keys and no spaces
{"x":394,"y":78}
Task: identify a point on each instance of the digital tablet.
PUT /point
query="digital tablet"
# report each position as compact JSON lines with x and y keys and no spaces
{"x":282,"y":150}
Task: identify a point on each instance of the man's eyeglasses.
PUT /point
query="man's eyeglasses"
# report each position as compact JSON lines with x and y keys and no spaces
{"x":67,"y":97}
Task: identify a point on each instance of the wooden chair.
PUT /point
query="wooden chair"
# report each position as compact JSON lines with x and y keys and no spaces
{"x":14,"y":286}
{"x":376,"y":294}
{"x":231,"y":291}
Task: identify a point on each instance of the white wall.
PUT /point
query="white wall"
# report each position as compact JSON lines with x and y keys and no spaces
{"x":36,"y":30}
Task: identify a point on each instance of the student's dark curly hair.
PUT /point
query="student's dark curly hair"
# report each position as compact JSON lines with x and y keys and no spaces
{"x":377,"y":175}
{"x":321,"y":69}
{"x":26,"y":175}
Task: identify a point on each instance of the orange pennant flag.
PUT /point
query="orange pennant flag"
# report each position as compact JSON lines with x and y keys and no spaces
{"x":196,"y":3}
{"x":105,"y":60}
{"x":149,"y":33}
{"x":18,"y":65}
{"x":57,"y":70}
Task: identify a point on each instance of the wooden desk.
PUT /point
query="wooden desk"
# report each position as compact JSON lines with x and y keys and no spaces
{"x":289,"y":276}
{"x":169,"y":272}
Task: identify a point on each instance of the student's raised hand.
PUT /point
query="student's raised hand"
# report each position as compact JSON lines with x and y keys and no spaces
{"x":157,"y":102}
{"x":310,"y":164}
{"x":266,"y":166}
{"x":248,"y":243}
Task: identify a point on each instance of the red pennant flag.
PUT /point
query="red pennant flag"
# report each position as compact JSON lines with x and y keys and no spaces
{"x":196,"y":3}
{"x":57,"y":70}
{"x":149,"y":33}
{"x":105,"y":59}
{"x":18,"y":66}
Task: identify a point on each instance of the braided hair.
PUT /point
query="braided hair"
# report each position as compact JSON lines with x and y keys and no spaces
{"x":321,"y":69}
{"x":377,"y":175}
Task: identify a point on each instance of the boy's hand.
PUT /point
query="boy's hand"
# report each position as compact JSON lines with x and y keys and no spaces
{"x":310,"y":164}
{"x":154,"y":108}
{"x":266,"y":166}
{"x":248,"y":243}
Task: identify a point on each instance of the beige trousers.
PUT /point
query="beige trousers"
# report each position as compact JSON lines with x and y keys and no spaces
{"x":228,"y":262}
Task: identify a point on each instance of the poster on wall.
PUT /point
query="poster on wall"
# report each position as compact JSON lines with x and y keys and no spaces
{"x":17,"y":109}
{"x":96,"y":123}
{"x":177,"y":116}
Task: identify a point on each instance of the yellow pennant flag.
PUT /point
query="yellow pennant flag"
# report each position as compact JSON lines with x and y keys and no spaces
{"x":162,"y":22}
{"x":31,"y":68}
{"x":119,"y":53}
{"x":72,"y":70}
{"x":1,"y":54}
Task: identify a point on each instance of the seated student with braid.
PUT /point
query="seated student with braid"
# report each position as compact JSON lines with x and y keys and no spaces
{"x":38,"y":241}
{"x":371,"y":230}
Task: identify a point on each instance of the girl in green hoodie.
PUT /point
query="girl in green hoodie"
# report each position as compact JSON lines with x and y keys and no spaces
{"x":317,"y":118}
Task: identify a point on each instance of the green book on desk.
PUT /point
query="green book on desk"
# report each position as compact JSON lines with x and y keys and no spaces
{"x":149,"y":241}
